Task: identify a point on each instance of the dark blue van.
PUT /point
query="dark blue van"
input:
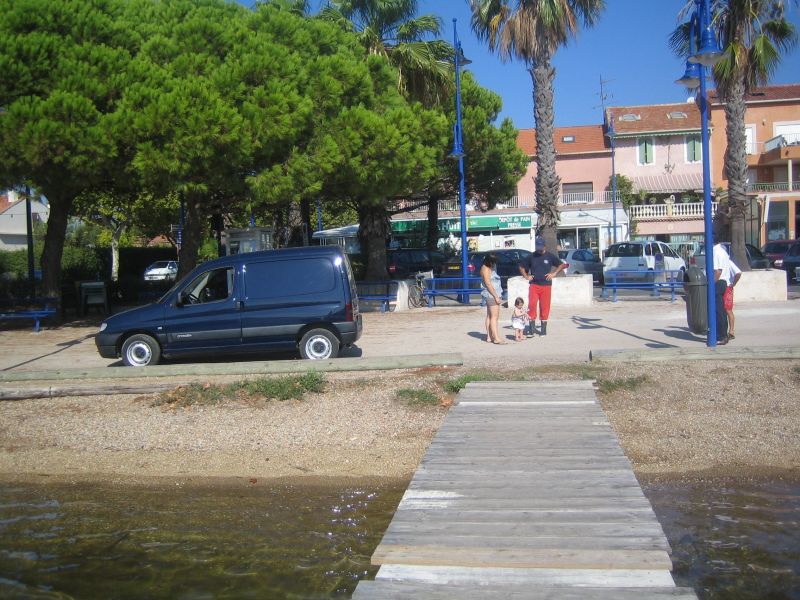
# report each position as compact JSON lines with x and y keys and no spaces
{"x":301,"y":298}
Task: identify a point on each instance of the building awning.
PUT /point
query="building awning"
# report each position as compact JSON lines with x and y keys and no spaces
{"x":668,"y":184}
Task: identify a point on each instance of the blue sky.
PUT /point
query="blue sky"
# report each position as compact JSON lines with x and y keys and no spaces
{"x":627,"y":49}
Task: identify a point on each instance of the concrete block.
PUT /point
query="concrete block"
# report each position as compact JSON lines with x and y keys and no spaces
{"x":763,"y":285}
{"x":570,"y":290}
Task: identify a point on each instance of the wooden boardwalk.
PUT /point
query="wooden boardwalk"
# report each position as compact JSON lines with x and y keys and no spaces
{"x":524,"y":493}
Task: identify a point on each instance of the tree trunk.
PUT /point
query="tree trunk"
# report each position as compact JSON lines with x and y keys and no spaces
{"x":54,"y":244}
{"x":116,"y":235}
{"x":736,"y":169}
{"x":432,"y":241}
{"x":373,"y":231}
{"x":295,"y":223}
{"x":192,"y":236}
{"x":547,"y":181}
{"x":305,"y":213}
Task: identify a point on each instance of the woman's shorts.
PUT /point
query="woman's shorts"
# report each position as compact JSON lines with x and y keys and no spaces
{"x":490,"y":301}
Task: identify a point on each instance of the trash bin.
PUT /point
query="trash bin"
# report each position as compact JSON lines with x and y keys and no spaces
{"x":92,"y":293}
{"x":694,"y":284}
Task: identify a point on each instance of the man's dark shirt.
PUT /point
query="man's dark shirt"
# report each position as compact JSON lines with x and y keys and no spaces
{"x":540,"y":265}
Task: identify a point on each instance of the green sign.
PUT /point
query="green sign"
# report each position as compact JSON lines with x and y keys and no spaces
{"x":474,"y":223}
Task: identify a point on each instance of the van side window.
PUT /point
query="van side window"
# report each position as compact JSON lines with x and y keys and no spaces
{"x":289,"y":278}
{"x":210,"y":286}
{"x":648,"y":250}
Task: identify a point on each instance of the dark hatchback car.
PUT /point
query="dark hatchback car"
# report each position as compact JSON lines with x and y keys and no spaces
{"x":403,"y":263}
{"x":508,"y":260}
{"x":775,"y":250}
{"x":755,"y":257}
{"x":791,"y":261}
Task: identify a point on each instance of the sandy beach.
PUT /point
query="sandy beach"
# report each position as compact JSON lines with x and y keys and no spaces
{"x":680,"y":420}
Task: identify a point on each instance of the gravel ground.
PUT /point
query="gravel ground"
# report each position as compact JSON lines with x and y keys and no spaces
{"x":685,"y":419}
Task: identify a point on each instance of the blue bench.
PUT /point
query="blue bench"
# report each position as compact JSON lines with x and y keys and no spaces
{"x":35,"y":309}
{"x":378,"y":291}
{"x":457,"y":288}
{"x":656,"y":281}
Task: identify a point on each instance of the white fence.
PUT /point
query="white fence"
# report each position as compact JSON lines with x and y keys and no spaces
{"x":678,"y":210}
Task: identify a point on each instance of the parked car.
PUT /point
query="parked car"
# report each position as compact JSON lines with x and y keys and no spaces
{"x":641,"y":256}
{"x":162,"y":270}
{"x":582,"y":261}
{"x":403,"y":263}
{"x":791,"y":261}
{"x":755,"y":257}
{"x":775,"y":250}
{"x":508,"y":260}
{"x":295,"y":298}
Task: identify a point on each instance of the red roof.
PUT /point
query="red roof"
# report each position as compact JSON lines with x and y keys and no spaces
{"x":770,"y":93}
{"x":654,"y":118}
{"x":582,"y":139}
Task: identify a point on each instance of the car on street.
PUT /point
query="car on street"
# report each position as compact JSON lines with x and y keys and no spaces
{"x":755,"y":258}
{"x":791,"y":262}
{"x":162,"y":270}
{"x":641,"y":256}
{"x":582,"y":261}
{"x":775,"y":250}
{"x":508,"y":260}
{"x":403,"y":263}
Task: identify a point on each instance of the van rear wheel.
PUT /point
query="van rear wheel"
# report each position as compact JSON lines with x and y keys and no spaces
{"x":319,"y":344}
{"x":140,"y":350}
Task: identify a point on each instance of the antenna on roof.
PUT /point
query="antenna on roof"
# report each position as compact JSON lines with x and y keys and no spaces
{"x":604,"y":95}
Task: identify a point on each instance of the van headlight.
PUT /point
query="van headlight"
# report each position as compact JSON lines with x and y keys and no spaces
{"x":103,"y":326}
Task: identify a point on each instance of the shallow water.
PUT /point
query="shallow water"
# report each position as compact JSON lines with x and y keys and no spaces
{"x":189,"y":543}
{"x":737,"y":540}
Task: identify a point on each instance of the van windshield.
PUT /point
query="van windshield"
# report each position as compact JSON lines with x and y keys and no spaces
{"x":624,"y":250}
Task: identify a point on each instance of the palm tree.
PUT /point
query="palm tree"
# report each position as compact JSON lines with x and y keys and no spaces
{"x":390,"y":28}
{"x":753,"y":35}
{"x":532,"y":31}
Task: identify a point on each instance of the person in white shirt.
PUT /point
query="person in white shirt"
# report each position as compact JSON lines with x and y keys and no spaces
{"x":734,"y":274}
{"x":721,"y":275}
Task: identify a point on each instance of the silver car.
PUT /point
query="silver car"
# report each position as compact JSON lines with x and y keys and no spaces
{"x":581,"y":261}
{"x":162,"y":270}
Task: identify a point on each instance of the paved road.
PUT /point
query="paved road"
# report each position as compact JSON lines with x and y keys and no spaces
{"x":640,"y":322}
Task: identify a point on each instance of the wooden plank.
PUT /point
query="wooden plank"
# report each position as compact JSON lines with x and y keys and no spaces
{"x":404,"y":590}
{"x":594,"y":541}
{"x":516,"y":576}
{"x":696,"y":353}
{"x":521,"y":558}
{"x":545,"y":529}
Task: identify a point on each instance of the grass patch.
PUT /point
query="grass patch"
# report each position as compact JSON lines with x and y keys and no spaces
{"x":418,"y":397}
{"x":583,"y":371}
{"x":457,"y":384}
{"x":290,"y":387}
{"x":194,"y":394}
{"x":628,"y":384}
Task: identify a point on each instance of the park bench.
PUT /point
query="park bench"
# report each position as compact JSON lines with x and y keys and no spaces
{"x":32,"y":308}
{"x":378,"y":291}
{"x":655,"y":281}
{"x":457,"y":288}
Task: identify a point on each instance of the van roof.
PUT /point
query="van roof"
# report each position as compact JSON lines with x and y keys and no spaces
{"x":298,"y":252}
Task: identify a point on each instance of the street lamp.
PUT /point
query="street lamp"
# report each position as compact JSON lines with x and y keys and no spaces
{"x":458,"y":153}
{"x":708,"y":55}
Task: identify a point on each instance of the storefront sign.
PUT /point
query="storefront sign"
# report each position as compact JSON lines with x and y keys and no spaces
{"x":474,"y":223}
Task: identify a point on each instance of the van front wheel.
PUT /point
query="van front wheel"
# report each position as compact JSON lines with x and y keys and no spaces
{"x":140,"y":350}
{"x":319,"y":344}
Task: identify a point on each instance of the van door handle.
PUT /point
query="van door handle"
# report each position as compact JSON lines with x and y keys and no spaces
{"x":240,"y":304}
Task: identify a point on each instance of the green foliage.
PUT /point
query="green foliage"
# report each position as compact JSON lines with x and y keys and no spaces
{"x":193,"y":394}
{"x":417,"y":397}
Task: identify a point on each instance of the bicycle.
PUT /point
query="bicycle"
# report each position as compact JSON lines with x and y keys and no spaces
{"x":416,"y":291}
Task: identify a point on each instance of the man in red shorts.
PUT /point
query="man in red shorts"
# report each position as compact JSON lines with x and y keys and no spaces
{"x":539,"y":269}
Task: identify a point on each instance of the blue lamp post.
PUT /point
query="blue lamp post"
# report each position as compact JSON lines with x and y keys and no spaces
{"x":458,"y":153}
{"x":707,"y":56}
{"x":612,"y":141}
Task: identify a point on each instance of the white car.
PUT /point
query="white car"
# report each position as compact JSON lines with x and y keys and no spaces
{"x":162,"y":270}
{"x":641,"y":256}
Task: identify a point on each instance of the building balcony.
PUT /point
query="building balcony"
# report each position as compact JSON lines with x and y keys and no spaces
{"x":666,"y":212}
